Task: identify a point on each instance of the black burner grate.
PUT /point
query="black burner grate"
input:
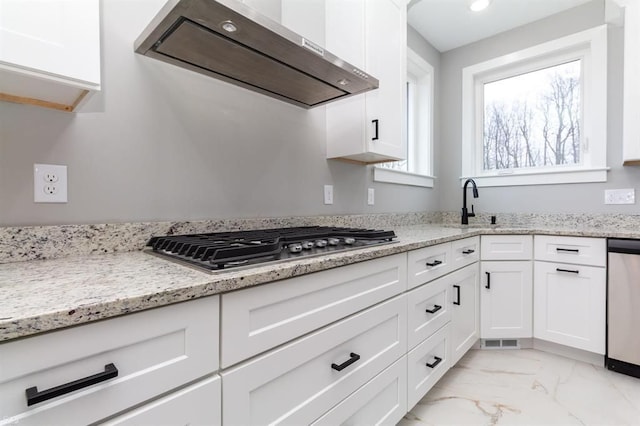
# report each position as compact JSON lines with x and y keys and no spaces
{"x":221,"y":250}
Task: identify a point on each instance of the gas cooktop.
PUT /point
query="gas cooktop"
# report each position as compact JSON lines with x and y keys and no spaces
{"x":226,"y":250}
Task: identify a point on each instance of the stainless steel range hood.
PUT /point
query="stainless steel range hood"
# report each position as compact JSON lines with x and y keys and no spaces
{"x":228,"y":40}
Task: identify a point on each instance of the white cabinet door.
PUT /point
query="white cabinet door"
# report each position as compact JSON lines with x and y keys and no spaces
{"x":198,"y":404}
{"x":570,"y":304}
{"x":631,"y":97}
{"x":506,"y":299}
{"x":465,"y":327}
{"x":49,"y":51}
{"x":368,"y":128}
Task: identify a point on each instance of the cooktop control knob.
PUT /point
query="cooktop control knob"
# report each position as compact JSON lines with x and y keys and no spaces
{"x":333,"y":241}
{"x":307,"y":245}
{"x":295,"y":248}
{"x":321,"y":243}
{"x":349,"y":240}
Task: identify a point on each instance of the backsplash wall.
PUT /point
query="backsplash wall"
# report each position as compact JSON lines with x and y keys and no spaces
{"x":161,"y":143}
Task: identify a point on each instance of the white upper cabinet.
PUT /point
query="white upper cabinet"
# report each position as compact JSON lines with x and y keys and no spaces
{"x":49,"y":52}
{"x":371,"y":35}
{"x":631,"y":115}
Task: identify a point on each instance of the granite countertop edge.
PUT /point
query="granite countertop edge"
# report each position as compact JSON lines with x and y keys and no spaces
{"x":46,"y":295}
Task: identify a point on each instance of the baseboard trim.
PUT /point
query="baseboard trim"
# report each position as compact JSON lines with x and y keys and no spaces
{"x":568,"y":352}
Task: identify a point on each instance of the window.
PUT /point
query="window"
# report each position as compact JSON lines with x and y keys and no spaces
{"x":416,"y":169}
{"x":538,"y":116}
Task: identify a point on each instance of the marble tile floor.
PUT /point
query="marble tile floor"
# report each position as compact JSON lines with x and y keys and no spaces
{"x":527,"y":387}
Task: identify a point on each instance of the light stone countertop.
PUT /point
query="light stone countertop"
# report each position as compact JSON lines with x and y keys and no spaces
{"x":44,"y":295}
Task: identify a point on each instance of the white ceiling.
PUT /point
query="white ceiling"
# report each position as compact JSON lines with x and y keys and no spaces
{"x":448,"y":24}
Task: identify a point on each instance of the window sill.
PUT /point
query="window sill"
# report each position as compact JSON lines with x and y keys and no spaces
{"x":381,"y":174}
{"x":556,"y":177}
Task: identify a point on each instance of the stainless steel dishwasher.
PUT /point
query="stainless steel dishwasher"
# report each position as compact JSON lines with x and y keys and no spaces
{"x":623,"y":307}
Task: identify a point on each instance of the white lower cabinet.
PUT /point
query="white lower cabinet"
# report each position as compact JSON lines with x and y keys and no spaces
{"x":427,"y":363}
{"x":297,"y":383}
{"x":382,"y":401}
{"x":198,"y":404}
{"x":121,"y":362}
{"x":570,"y":305}
{"x":506,"y":299}
{"x":465,"y":319}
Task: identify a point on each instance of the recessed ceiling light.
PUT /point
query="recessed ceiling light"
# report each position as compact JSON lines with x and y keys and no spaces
{"x":478,"y":5}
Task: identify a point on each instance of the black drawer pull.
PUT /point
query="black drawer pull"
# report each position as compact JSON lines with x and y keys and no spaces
{"x":488,"y":286}
{"x":375,"y":131}
{"x":468,"y":251}
{"x":569,"y":250}
{"x":435,"y":263}
{"x":435,"y":363}
{"x":34,"y":397}
{"x":435,"y":309}
{"x":457,"y":287}
{"x":354,"y":358}
{"x":573,"y":271}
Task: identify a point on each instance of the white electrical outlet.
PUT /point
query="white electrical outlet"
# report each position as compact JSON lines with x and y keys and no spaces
{"x":620,"y":196}
{"x":49,"y":183}
{"x":371,"y":196}
{"x":328,"y":194}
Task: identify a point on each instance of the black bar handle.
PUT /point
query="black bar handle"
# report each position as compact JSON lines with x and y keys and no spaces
{"x":34,"y":397}
{"x":573,"y":271}
{"x":435,"y":309}
{"x":488,"y":286}
{"x":470,"y":251}
{"x":435,"y":263}
{"x":354,"y":358}
{"x":435,"y":363}
{"x":457,"y":287}
{"x":375,"y":133}
{"x":569,"y":250}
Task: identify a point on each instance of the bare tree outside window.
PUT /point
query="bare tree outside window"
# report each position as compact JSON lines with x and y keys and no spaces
{"x":533,"y":119}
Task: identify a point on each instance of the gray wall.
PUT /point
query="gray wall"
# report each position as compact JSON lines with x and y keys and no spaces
{"x":574,"y":198}
{"x":161,"y":143}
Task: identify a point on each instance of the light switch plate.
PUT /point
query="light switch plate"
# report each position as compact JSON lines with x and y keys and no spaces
{"x":620,"y":196}
{"x":371,"y":196}
{"x":328,"y":194}
{"x":49,"y":183}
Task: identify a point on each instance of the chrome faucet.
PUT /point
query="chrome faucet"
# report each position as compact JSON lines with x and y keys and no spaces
{"x":465,"y":214}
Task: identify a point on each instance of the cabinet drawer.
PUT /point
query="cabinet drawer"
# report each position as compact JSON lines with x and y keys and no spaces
{"x":382,"y":401}
{"x":429,"y":309}
{"x":297,"y":383}
{"x":427,"y":363}
{"x":429,"y":263}
{"x":506,"y":247}
{"x":578,"y":250}
{"x":154,"y":351}
{"x":198,"y":404}
{"x":257,"y":319}
{"x":465,"y":252}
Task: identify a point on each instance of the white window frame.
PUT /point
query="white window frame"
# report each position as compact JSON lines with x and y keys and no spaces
{"x":590,"y":47}
{"x":424,"y":73}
